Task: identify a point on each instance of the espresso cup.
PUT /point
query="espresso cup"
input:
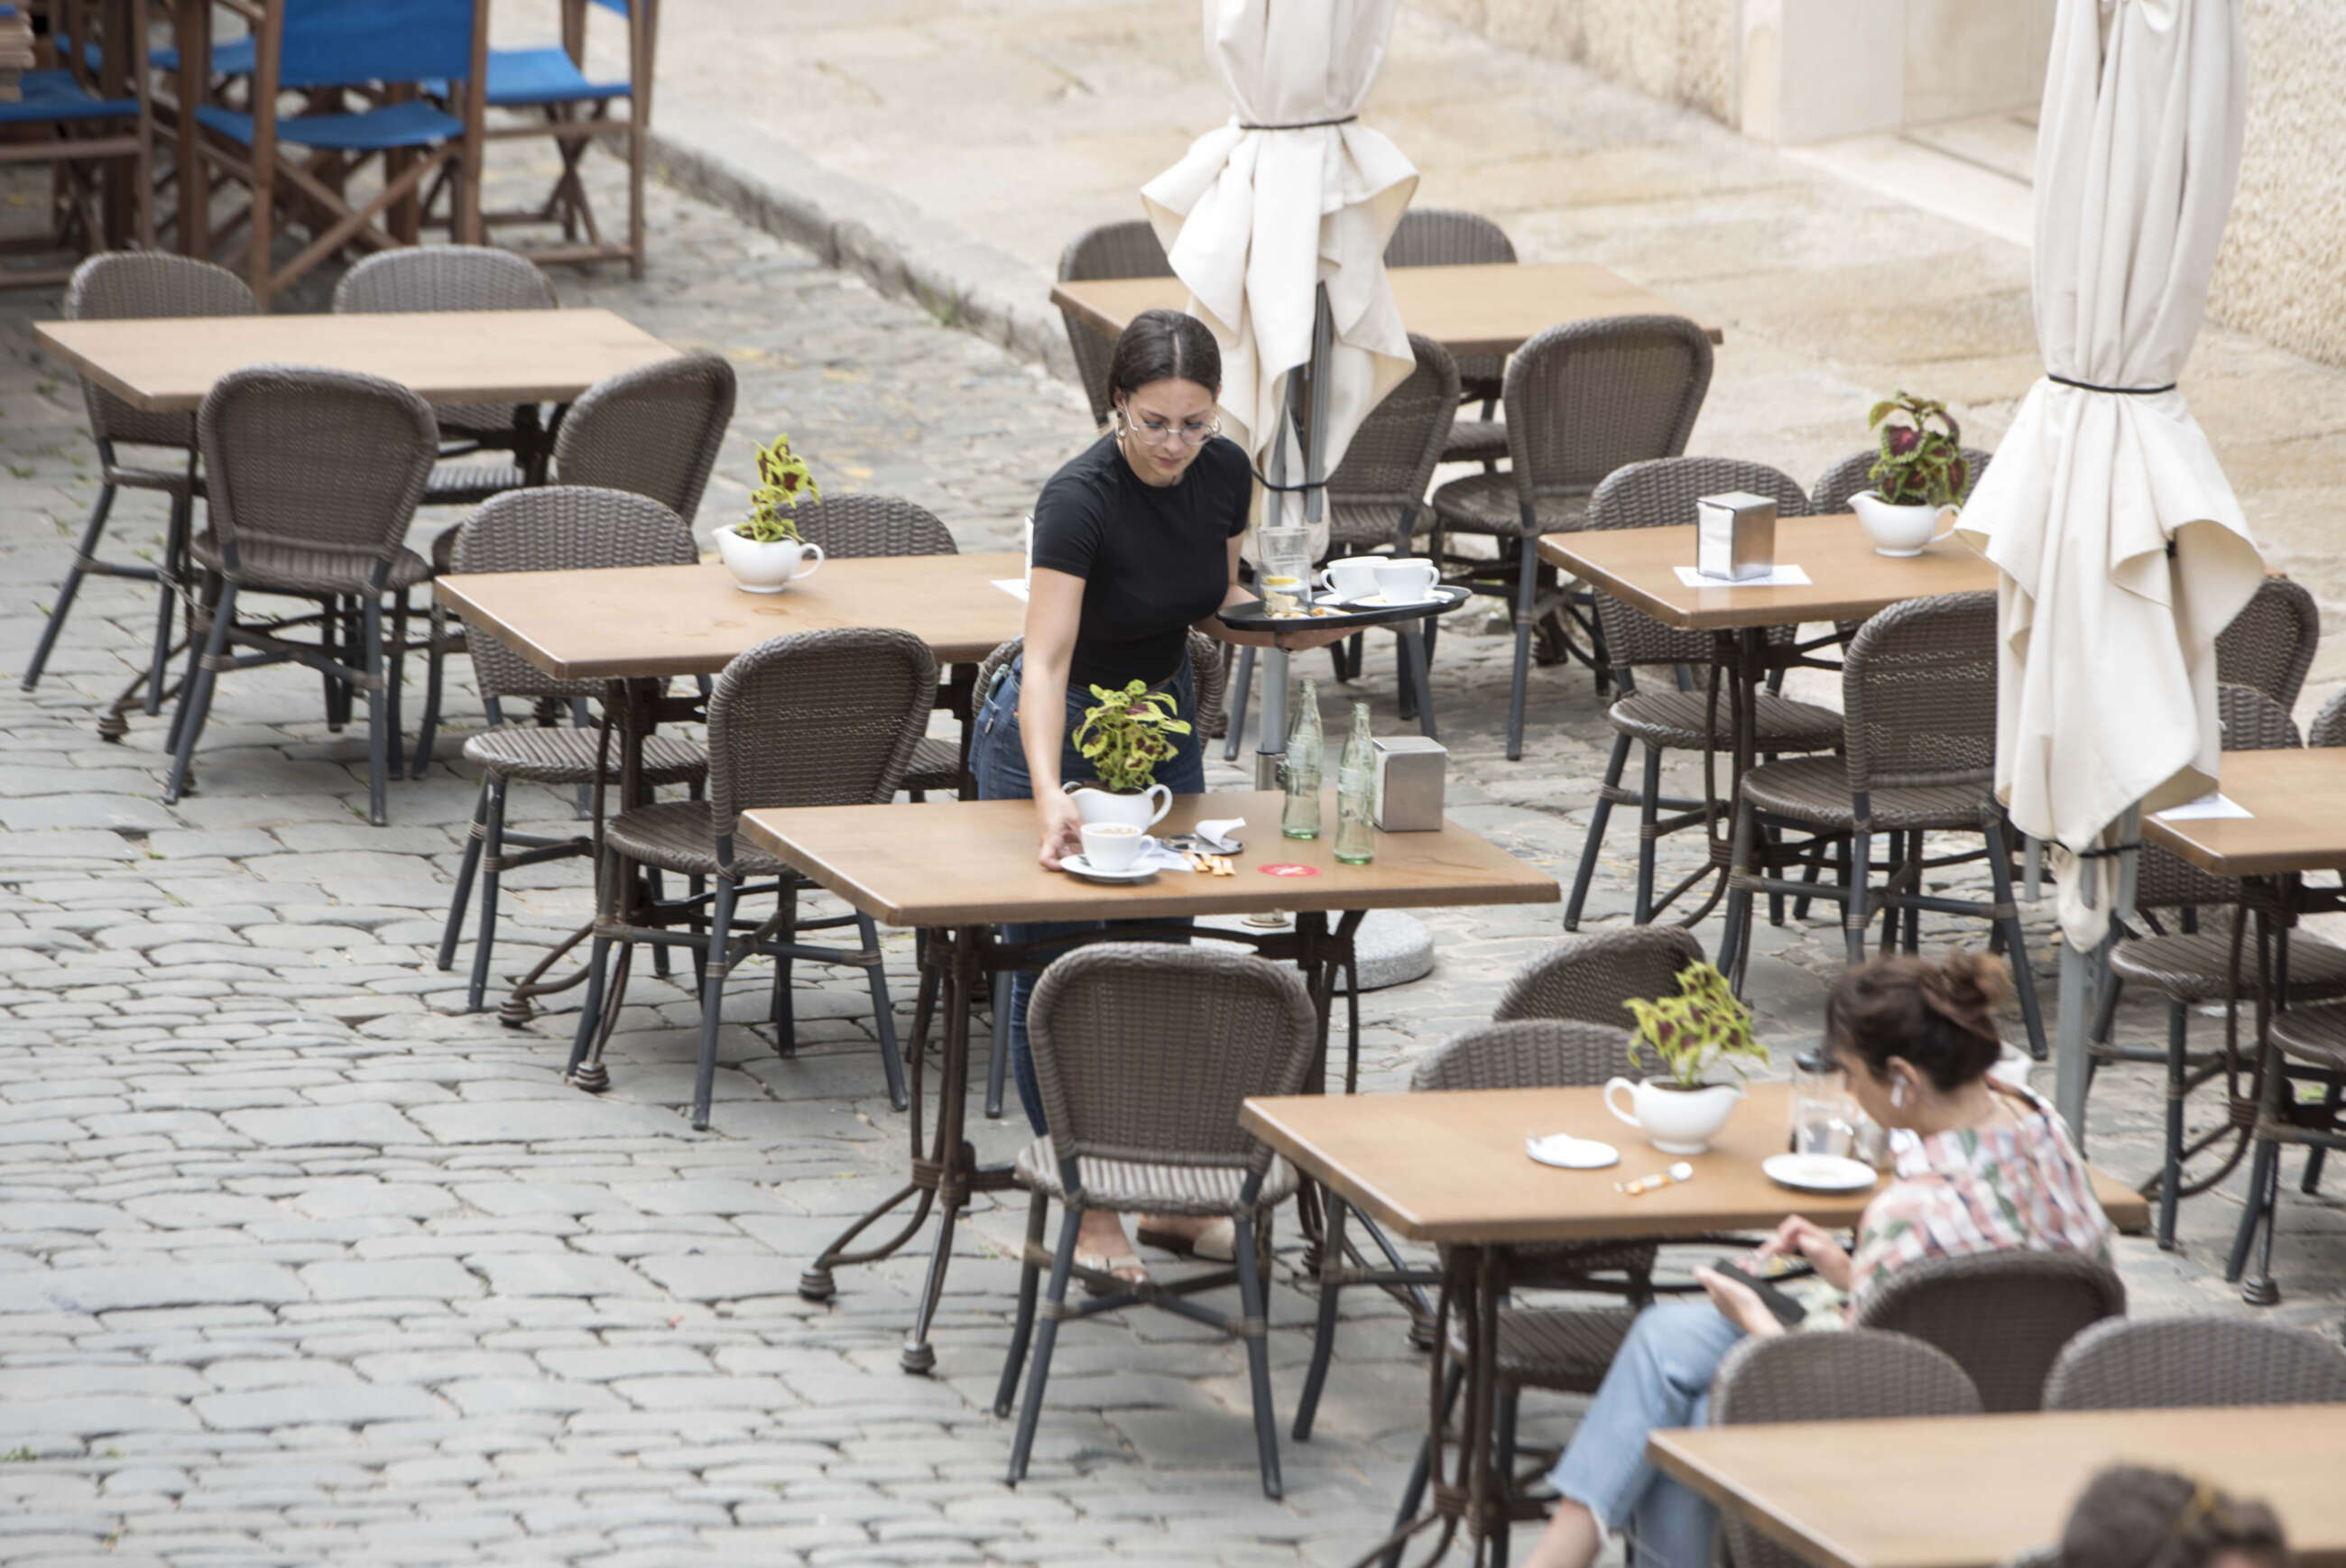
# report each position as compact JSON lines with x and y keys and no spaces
{"x":1112,"y":846}
{"x":1408,"y":579}
{"x":1354,"y":577}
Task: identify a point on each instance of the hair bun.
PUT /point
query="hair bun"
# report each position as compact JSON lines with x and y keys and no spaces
{"x":1965,"y":989}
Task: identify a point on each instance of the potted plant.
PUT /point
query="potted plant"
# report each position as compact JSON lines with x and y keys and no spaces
{"x":1918,"y":478}
{"x":1124,"y":734}
{"x":1691,"y":1033}
{"x":763,"y":551}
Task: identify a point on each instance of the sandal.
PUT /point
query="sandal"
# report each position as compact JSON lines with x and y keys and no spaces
{"x":1118,"y":1264}
{"x":1218,"y":1243}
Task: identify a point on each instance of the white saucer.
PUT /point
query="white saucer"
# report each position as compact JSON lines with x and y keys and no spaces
{"x":1387,"y":602}
{"x":1076,"y":864}
{"x":1818,"y":1173}
{"x":1568,"y":1152}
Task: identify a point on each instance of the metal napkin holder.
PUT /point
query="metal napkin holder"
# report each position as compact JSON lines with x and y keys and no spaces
{"x":1735,"y":536}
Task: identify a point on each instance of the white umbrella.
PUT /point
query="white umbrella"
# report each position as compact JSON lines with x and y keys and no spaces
{"x":2122,"y":548}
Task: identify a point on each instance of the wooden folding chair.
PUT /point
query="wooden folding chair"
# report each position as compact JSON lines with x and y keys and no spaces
{"x":68,"y":117}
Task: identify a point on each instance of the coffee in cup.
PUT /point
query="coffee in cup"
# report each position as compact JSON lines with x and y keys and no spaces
{"x":1112,"y":846}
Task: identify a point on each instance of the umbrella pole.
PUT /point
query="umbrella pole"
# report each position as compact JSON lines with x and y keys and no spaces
{"x":1307,"y":409}
{"x":2084,"y":979}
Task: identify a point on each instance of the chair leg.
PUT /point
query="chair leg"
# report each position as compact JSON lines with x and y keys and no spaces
{"x":167,"y":598}
{"x":1256,"y":1310}
{"x":784,"y":1015}
{"x":1030,"y":1412}
{"x":2312,"y":1182}
{"x":1599,"y":815}
{"x":378,"y":717}
{"x":196,"y":699}
{"x":394,"y":680}
{"x":427,"y":736}
{"x":712,"y":1000}
{"x":463,"y":897}
{"x":1736,"y":938}
{"x":492,"y":849}
{"x":1242,"y":688}
{"x":1650,"y":814}
{"x":656,"y":890}
{"x":884,"y":1014}
{"x":1912,"y":940}
{"x":1503,"y":1450}
{"x":2170,"y":1174}
{"x":1323,"y":1336}
{"x":1021,"y":1327}
{"x":997,"y":1057}
{"x":71,"y":587}
{"x":2255,"y":1212}
{"x":1854,"y":919}
{"x":208,"y":594}
{"x":1417,"y":662}
{"x":2024,"y":973}
{"x":1526,"y":598}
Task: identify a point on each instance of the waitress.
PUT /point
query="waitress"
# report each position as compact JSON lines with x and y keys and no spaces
{"x":1136,"y":543}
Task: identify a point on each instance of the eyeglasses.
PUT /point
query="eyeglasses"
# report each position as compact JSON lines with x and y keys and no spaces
{"x":1156,"y":433}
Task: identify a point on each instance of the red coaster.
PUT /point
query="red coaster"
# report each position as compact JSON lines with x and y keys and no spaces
{"x":1289,"y":868}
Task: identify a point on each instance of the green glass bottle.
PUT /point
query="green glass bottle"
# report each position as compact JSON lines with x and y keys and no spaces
{"x":1356,"y":790}
{"x":1305,"y":749}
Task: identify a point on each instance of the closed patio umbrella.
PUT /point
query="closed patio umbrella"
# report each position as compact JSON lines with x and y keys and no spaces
{"x":2122,"y":548}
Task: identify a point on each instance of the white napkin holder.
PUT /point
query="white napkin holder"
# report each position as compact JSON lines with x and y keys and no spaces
{"x":1734,"y":535}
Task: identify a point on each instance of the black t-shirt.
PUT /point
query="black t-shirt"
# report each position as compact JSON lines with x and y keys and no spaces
{"x":1154,"y":559}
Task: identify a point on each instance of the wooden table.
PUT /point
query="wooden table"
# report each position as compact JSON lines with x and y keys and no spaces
{"x":1488,"y":309}
{"x":445,"y":356}
{"x":956,"y":870}
{"x":1971,"y":1491}
{"x":1449,"y":1169}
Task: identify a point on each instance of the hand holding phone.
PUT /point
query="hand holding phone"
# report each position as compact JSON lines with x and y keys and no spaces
{"x":1780,"y":1304}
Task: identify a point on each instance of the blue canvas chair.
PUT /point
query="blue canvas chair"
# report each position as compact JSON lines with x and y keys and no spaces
{"x":62,"y":117}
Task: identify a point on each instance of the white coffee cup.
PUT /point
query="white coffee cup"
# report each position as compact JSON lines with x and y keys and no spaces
{"x":1112,"y":846}
{"x":1354,"y":577}
{"x":1407,"y":579}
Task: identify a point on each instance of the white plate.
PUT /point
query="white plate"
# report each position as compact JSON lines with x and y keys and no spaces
{"x":1387,"y":602}
{"x":1568,"y":1152}
{"x":1818,"y":1173}
{"x":1083,"y":868}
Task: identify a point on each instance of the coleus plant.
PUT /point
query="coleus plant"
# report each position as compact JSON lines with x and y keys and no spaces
{"x":783,"y":481}
{"x":1125,"y":733}
{"x":1702,"y":1026}
{"x":1921,"y":459}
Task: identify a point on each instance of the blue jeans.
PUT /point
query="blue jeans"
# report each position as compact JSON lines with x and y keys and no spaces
{"x":1661,"y":1377}
{"x":998,"y":758}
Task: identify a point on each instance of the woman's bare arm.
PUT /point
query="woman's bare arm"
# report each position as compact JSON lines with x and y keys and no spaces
{"x":1055,"y":606}
{"x":1297,"y":641}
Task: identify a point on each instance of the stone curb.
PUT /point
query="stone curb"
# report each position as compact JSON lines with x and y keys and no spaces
{"x":890,"y":242}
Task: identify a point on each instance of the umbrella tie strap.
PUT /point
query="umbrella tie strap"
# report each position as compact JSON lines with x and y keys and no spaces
{"x":2106,"y":851}
{"x":1300,"y":125}
{"x":2120,"y":392}
{"x":1290,"y":489}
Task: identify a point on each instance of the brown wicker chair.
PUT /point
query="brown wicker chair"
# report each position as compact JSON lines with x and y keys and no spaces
{"x":315,"y":476}
{"x":2329,"y":726}
{"x":1127,"y":250}
{"x":1582,"y":400}
{"x":2271,"y":643}
{"x":1837,"y":484}
{"x":552,"y":528}
{"x":2003,"y":1316}
{"x":1862,"y":1374}
{"x":1445,"y":237}
{"x":817,"y":719}
{"x":1918,"y":707}
{"x":1591,"y":974}
{"x":1657,"y":494}
{"x":653,"y":430}
{"x":2188,"y":1363}
{"x":2307,"y":1047}
{"x":1144,"y":1053}
{"x":140,"y":285}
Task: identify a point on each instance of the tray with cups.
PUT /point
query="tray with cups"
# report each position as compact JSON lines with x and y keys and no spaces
{"x":1358,"y":591}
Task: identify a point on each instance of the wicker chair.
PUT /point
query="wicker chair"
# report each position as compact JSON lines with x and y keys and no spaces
{"x":1918,"y":705}
{"x":314,"y":477}
{"x":1127,"y":250}
{"x":461,"y":277}
{"x":2003,"y":1316}
{"x":2189,"y":1363}
{"x":141,"y":285}
{"x":2329,"y":726}
{"x":557,"y":528}
{"x":1859,"y":1375}
{"x":1144,"y":1053}
{"x":862,"y":525}
{"x":1588,"y":976}
{"x":1582,"y":400}
{"x":817,"y":719}
{"x":1445,"y":237}
{"x":2271,"y":643}
{"x":1835,"y":486}
{"x":1657,"y":494}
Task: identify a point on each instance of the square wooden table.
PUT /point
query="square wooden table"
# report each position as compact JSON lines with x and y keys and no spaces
{"x":168,"y":365}
{"x":2296,"y":801}
{"x":1971,"y":1491}
{"x":1449,"y":1169}
{"x":956,"y":870}
{"x":1485,"y":309}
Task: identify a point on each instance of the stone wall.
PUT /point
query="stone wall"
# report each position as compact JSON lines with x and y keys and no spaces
{"x":1681,"y":51}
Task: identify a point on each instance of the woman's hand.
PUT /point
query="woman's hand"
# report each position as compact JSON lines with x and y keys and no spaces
{"x":1797,"y":1237}
{"x":1062,"y":826}
{"x":1737,"y":1303}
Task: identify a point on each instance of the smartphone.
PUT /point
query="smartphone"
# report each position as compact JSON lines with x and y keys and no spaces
{"x":1787,"y":1311}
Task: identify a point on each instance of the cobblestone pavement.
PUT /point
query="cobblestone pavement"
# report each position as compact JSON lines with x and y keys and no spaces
{"x":301,"y":1265}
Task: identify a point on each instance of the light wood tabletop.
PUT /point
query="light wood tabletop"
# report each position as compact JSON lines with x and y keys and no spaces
{"x":446,"y":356}
{"x":637,"y":621}
{"x":954,"y":863}
{"x":1451,"y":1166}
{"x":1477,"y":310}
{"x":2297,"y":822}
{"x":1969,"y":1492}
{"x":1847,"y":581}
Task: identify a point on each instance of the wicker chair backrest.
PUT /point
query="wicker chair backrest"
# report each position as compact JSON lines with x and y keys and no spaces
{"x":1588,"y":975}
{"x":2329,"y":726}
{"x":134,"y":285}
{"x":1857,"y":1375}
{"x":1524,"y":1053}
{"x":1656,"y":494}
{"x":2003,"y":1316}
{"x":1855,"y":472}
{"x":1127,"y":250}
{"x":1145,"y":1051}
{"x":654,"y":431}
{"x":817,"y":719}
{"x":1392,"y":458}
{"x":1205,"y":663}
{"x":2271,"y":643}
{"x":448,"y":278}
{"x":851,"y":525}
{"x":2181,"y":1363}
{"x":314,"y":460}
{"x":560,"y":527}
{"x":2252,"y":722}
{"x":1586,"y":397}
{"x":1918,"y":694}
{"x":1446,"y":236}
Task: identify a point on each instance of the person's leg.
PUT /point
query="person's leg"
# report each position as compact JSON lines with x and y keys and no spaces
{"x":1661,"y":1377}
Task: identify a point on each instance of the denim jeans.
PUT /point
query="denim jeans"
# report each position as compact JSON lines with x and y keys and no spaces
{"x":1661,"y":1377}
{"x":998,"y":758}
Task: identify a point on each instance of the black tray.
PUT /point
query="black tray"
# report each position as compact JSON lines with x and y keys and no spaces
{"x":1249,"y":617}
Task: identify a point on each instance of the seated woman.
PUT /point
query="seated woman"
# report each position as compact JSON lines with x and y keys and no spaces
{"x":2131,"y":1516}
{"x":1979,"y":1167}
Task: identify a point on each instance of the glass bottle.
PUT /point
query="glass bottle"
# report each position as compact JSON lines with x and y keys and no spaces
{"x":1305,"y":752}
{"x":1356,"y":788}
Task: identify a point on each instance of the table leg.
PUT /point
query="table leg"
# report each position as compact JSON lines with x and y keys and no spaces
{"x":1741,"y":661}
